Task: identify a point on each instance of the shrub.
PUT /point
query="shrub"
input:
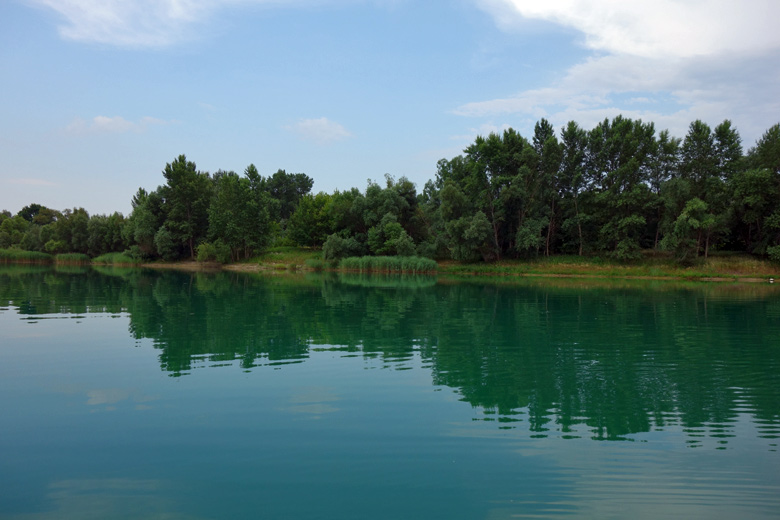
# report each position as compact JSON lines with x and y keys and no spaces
{"x":216,"y":251}
{"x":774,"y":253}
{"x":337,"y":247}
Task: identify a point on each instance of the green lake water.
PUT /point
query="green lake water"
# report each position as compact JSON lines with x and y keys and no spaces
{"x":134,"y":394}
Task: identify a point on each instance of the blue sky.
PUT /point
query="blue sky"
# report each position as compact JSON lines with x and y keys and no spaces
{"x":97,"y":96}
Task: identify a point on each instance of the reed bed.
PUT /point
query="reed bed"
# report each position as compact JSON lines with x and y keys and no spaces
{"x":17,"y":256}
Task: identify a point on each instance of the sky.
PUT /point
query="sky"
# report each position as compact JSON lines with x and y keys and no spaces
{"x":97,"y":96}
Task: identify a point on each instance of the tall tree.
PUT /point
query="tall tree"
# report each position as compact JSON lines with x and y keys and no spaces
{"x":619,"y":159}
{"x":187,"y":195}
{"x":574,"y":141}
{"x":288,"y":188}
{"x":550,"y":155}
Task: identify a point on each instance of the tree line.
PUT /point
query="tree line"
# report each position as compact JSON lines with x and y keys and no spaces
{"x":616,"y":189}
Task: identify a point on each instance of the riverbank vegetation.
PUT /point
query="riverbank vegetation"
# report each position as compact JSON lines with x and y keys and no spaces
{"x":620,"y":197}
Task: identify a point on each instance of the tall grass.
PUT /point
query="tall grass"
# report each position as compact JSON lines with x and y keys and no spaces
{"x":388,"y":264}
{"x":17,"y":256}
{"x":71,"y":258}
{"x":114,"y":259}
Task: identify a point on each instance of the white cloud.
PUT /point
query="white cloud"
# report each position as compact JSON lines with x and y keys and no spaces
{"x":683,"y":60}
{"x":321,"y":131}
{"x":676,"y":92}
{"x":116,"y":124}
{"x":657,"y":28}
{"x":142,"y":23}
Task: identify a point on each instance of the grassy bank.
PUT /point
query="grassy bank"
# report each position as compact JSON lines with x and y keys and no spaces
{"x":653,"y":265}
{"x":739,"y":267}
{"x":286,"y":258}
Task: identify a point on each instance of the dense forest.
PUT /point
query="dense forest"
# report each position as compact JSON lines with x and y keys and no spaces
{"x":614,"y":190}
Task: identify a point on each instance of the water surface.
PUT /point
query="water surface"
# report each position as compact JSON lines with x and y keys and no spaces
{"x":141,"y":394}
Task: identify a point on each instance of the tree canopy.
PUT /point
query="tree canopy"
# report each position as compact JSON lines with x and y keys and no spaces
{"x":616,"y":189}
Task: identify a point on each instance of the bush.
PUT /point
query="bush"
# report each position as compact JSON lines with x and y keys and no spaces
{"x":166,"y":247}
{"x":774,"y":253}
{"x":216,"y":251}
{"x":135,"y":253}
{"x":337,"y":247}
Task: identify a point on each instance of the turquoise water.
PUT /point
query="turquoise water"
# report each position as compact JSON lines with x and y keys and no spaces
{"x":141,"y":394}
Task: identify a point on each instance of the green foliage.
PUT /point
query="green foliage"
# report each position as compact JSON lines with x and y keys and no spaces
{"x":186,"y":196}
{"x":337,"y":247}
{"x":165,"y":244}
{"x":238,"y":217}
{"x":389,"y":238}
{"x":216,"y":251}
{"x":615,"y":190}
{"x":54,"y":247}
{"x":287,"y":189}
{"x":24,"y":257}
{"x":312,"y":221}
{"x":469,"y":237}
{"x":766,"y":153}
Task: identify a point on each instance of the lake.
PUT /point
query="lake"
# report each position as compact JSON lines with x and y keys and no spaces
{"x":130,"y":394}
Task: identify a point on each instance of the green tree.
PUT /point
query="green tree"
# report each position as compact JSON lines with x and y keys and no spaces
{"x":728,"y":150}
{"x":186,"y":195}
{"x":12,"y":231}
{"x":574,"y":141}
{"x":310,"y":224}
{"x":665,"y":167}
{"x":288,"y":188}
{"x":619,"y":159}
{"x":766,"y":152}
{"x":550,"y":155}
{"x":388,"y":237}
{"x":692,"y":231}
{"x":754,"y":200}
{"x":147,"y":217}
{"x":238,"y":214}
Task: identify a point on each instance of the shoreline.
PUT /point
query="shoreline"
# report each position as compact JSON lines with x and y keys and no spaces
{"x":717,"y":271}
{"x":502,"y":272}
